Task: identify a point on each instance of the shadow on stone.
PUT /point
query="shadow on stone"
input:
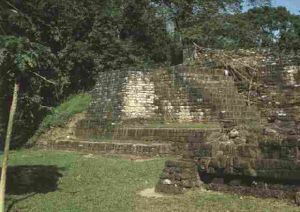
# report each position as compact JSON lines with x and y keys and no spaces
{"x":253,"y":186}
{"x":32,"y":179}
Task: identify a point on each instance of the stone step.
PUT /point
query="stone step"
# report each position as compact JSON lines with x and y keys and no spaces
{"x":208,"y":79}
{"x":109,"y":147}
{"x":237,"y":108}
{"x":211,"y":72}
{"x":219,"y":79}
{"x":240,"y":114}
{"x":221,"y":92}
{"x":249,"y":122}
{"x":215,"y":88}
{"x":162,"y":134}
{"x":234,"y":101}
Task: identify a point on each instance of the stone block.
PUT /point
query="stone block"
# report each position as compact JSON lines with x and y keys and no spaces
{"x":169,"y":189}
{"x":248,"y":151}
{"x":297,"y":198}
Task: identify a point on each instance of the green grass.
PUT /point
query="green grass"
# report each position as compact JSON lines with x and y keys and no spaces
{"x":73,"y":105}
{"x":208,"y":201}
{"x":62,"y":114}
{"x":88,"y":184}
{"x":101,"y":183}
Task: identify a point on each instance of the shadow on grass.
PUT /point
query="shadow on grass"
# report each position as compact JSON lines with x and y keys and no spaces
{"x":26,"y":181}
{"x":32,"y":179}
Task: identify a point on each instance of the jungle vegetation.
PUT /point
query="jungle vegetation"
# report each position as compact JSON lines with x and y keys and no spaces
{"x":69,"y":42}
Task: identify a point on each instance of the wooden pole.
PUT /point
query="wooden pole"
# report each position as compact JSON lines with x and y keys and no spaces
{"x":7,"y":144}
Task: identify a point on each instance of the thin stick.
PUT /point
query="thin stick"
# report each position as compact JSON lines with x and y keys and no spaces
{"x":7,"y":144}
{"x":43,"y":78}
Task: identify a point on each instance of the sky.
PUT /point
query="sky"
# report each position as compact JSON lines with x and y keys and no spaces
{"x":291,"y":5}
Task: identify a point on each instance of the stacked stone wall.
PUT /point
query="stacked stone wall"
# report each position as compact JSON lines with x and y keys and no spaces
{"x":178,"y":176}
{"x":139,"y":98}
{"x":221,"y":93}
{"x":279,"y":97}
{"x":176,"y":102}
{"x":106,"y":106}
{"x":177,"y":137}
{"x":267,"y":159}
{"x":124,"y":148}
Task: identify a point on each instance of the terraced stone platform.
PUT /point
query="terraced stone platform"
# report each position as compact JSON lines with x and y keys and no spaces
{"x":109,"y":147}
{"x":193,"y":112}
{"x":143,"y":141}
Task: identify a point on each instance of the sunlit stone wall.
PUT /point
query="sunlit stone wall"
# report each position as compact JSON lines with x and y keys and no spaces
{"x":138,"y":97}
{"x":142,"y":96}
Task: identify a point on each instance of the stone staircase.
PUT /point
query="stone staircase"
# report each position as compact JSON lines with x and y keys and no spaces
{"x":175,"y":102}
{"x":184,"y":95}
{"x":220,"y":91}
{"x":231,"y":109}
{"x":159,"y":134}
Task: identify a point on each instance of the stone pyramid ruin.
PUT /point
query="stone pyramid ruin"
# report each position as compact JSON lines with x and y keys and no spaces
{"x":198,"y":114}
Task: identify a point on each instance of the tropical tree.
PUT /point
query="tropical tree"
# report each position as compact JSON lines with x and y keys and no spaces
{"x":23,"y":57}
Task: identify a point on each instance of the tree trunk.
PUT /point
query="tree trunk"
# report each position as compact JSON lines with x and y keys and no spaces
{"x":6,"y":148}
{"x":4,"y":111}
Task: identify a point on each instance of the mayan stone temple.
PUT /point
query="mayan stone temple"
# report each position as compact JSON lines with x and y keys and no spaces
{"x":200,"y":115}
{"x":150,"y":105}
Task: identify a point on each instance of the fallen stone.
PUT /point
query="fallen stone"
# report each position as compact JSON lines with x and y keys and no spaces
{"x":270,"y":131}
{"x":233,"y":134}
{"x":169,"y":189}
{"x":167,"y":182}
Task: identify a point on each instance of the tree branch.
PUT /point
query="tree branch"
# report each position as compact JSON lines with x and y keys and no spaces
{"x":43,"y":78}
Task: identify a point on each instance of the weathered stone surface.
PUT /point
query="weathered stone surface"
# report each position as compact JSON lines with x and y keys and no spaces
{"x":178,"y":176}
{"x":297,"y":198}
{"x":233,"y":133}
{"x":128,"y":105}
{"x":139,"y":97}
{"x":269,"y":131}
{"x":109,"y":147}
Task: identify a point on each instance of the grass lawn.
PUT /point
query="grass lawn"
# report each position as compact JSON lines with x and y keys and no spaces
{"x":96,"y":183}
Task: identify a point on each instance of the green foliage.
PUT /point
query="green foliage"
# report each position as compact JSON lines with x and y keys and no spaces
{"x":83,"y":39}
{"x":189,"y":12}
{"x":24,"y":54}
{"x":260,"y":27}
{"x":146,"y":29}
{"x":61,"y":114}
{"x":24,"y":62}
{"x":69,"y":42}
